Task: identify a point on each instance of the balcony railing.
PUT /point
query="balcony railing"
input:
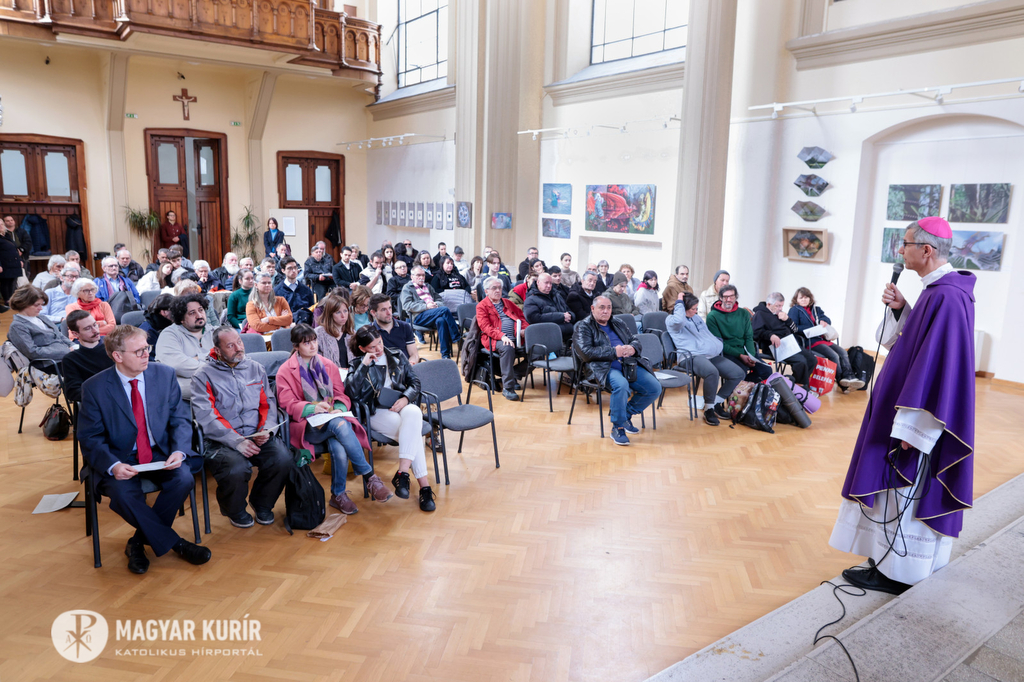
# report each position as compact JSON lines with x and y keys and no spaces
{"x":348,"y":46}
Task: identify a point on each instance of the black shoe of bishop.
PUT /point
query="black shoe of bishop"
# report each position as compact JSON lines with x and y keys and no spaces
{"x":138,"y":562}
{"x":870,"y":578}
{"x":192,"y":553}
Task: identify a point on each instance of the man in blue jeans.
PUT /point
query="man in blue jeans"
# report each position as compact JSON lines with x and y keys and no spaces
{"x":424,"y":307}
{"x":604,"y":343}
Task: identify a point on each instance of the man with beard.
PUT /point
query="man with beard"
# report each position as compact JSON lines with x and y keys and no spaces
{"x":227,"y":271}
{"x":676,"y":284}
{"x":182,"y":345}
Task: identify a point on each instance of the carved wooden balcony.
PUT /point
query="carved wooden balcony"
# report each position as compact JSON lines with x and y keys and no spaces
{"x":350,"y":47}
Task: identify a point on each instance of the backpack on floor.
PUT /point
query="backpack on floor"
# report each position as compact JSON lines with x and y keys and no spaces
{"x":304,"y":502}
{"x":737,"y":400}
{"x":761,"y":409}
{"x":862,"y":364}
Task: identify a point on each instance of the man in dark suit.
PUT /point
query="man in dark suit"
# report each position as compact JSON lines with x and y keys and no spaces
{"x":132,"y":414}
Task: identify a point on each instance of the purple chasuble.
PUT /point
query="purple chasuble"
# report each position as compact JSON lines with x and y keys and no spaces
{"x":931,"y":368}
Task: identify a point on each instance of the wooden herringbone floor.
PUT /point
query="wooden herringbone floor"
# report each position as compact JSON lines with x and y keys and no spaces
{"x":577,"y":560}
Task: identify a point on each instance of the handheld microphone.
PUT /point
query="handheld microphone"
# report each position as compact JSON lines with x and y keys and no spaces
{"x":897,"y":270}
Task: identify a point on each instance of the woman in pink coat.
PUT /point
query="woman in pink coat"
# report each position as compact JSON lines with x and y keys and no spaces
{"x":309,"y":384}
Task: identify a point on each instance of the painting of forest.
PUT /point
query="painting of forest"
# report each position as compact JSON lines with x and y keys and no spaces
{"x":979,"y":203}
{"x":912,"y":202}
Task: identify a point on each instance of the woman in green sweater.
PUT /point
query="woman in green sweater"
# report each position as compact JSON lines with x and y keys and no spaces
{"x":239,"y":297}
{"x":731,"y":323}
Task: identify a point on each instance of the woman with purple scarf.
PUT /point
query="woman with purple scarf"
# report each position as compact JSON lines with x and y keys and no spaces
{"x":309,"y":384}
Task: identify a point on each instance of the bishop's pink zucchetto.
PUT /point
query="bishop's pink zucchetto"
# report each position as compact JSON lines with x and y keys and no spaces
{"x":937,"y":227}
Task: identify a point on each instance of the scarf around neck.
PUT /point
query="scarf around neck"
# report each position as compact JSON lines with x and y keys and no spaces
{"x":316,"y":384}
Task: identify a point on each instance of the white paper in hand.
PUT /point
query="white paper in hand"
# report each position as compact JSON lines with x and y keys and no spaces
{"x":788,"y":348}
{"x":816,"y":330}
{"x":317,"y":420}
{"x":151,"y":466}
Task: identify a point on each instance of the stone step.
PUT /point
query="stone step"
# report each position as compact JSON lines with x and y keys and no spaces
{"x":771,"y":644}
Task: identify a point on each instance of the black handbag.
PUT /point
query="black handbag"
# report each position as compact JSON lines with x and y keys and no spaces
{"x":629,"y":366}
{"x":56,"y":423}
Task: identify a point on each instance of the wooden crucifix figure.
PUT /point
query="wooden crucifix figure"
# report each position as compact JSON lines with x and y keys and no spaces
{"x":185,"y":100}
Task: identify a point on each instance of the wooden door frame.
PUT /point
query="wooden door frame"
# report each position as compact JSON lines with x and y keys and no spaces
{"x":309,"y":154}
{"x":83,"y":185}
{"x":222,"y":141}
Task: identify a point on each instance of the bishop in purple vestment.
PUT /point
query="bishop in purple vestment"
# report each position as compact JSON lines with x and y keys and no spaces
{"x":911,"y":474}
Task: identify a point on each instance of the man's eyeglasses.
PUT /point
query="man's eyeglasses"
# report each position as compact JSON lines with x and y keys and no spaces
{"x":140,"y":353}
{"x":906,"y":244}
{"x":730,"y":297}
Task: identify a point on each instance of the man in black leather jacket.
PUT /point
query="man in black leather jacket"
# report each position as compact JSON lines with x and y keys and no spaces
{"x":604,"y":343}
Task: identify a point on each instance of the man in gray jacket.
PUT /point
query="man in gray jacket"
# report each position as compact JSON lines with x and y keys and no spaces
{"x":690,"y":333}
{"x":183,"y":345}
{"x":424,"y":307}
{"x":233,"y":403}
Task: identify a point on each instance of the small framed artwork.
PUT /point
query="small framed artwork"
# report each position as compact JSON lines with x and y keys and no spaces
{"x":449,"y":216}
{"x":380,"y":212}
{"x":401,"y":214}
{"x":464,"y":215}
{"x":419,"y":214}
{"x":430,"y":215}
{"x":394,"y":213}
{"x":439,"y":216}
{"x":501,"y":221}
{"x":387,"y":214}
{"x":807,"y":245}
{"x":560,"y":228}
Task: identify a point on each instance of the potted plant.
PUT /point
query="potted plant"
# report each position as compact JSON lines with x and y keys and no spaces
{"x":143,"y":223}
{"x":247,"y":237}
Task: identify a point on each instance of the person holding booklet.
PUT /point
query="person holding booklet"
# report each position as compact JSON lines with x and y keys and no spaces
{"x":310,"y":389}
{"x":776,"y":332}
{"x":816,"y":326}
{"x":233,"y":403}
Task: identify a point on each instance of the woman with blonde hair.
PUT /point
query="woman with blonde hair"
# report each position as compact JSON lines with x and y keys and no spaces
{"x":265,"y":312}
{"x":361,"y":307}
{"x":335,"y":330}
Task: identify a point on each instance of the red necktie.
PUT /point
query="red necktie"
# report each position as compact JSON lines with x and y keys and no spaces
{"x":139,"y":410}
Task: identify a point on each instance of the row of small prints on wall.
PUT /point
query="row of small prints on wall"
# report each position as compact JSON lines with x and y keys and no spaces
{"x":971,"y":249}
{"x":437,"y":215}
{"x":624,"y":209}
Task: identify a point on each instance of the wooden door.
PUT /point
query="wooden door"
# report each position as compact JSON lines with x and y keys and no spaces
{"x":314,"y":181}
{"x":167,"y":179}
{"x":208,"y":201}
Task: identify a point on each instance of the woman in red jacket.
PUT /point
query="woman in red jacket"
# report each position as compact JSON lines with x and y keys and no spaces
{"x":501,"y":325}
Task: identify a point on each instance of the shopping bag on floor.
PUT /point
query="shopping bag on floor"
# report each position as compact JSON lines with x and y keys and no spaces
{"x":823,"y":379}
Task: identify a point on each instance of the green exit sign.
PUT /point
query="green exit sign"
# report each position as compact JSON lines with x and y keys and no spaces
{"x":131,"y":115}
{"x":236,"y":123}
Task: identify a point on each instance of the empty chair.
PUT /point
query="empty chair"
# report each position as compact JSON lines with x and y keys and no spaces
{"x":281,"y":340}
{"x":271,"y":360}
{"x":541,"y":340}
{"x":148,"y":296}
{"x":654,"y":322}
{"x":678,"y":360}
{"x":629,"y":321}
{"x":135,"y":318}
{"x":651,"y":349}
{"x":440,"y":382}
{"x":254,"y":343}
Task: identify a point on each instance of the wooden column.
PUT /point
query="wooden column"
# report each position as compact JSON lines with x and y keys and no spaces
{"x":704,"y":142}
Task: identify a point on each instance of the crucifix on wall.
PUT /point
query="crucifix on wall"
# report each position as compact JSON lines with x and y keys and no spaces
{"x":185,"y":100}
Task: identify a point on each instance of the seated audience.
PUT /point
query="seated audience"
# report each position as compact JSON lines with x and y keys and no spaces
{"x":632,"y":283}
{"x":709,"y":297}
{"x":388,"y":264}
{"x":158,"y":318}
{"x":318,"y":270}
{"x":544,"y":305}
{"x":448,"y":277}
{"x":359,"y":256}
{"x":272,"y":238}
{"x":476,"y":274}
{"x":372,"y":276}
{"x":247,"y":263}
{"x":360,"y":306}
{"x":677,"y":284}
{"x":308,"y":384}
{"x":557,"y":285}
{"x":229,"y":267}
{"x":604,"y":278}
{"x":396,"y":334}
{"x":346,"y":271}
{"x":771,"y":324}
{"x":424,"y":307}
{"x":266,"y":312}
{"x":281,"y":252}
{"x":569,"y":276}
{"x":35,"y":335}
{"x":494,"y":265}
{"x":520,"y":291}
{"x":182,"y":345}
{"x":398,"y":282}
{"x":335,"y":330}
{"x":126,"y":266}
{"x":806,"y":314}
{"x":427,"y":263}
{"x":646,"y":297}
{"x":269,"y":266}
{"x":502,"y":268}
{"x":162,"y":256}
{"x":378,"y":368}
{"x":113,"y":282}
{"x":239,"y":298}
{"x":299,"y":296}
{"x":618,"y":294}
{"x":233,"y":403}
{"x":207,"y":281}
{"x":581,"y":295}
{"x":690,"y":334}
{"x":90,"y":358}
{"x":83,"y":293}
{"x":74,"y":257}
{"x":132,"y":413}
{"x":524,"y":267}
{"x":157,"y":280}
{"x":60,"y":296}
{"x":499,"y":319}
{"x":603,"y":342}
{"x":461,"y":263}
{"x":405,"y":252}
{"x":54,"y":266}
{"x":442,"y":253}
{"x":731,"y":323}
{"x":177,"y":256}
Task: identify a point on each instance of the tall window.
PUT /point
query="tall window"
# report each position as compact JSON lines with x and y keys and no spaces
{"x":422,"y":41}
{"x":630,"y":28}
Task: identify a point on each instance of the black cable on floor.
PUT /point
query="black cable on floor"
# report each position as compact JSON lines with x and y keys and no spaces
{"x":836,"y":589}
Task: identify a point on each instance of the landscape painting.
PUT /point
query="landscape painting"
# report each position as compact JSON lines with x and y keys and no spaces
{"x":560,"y":228}
{"x":977,"y":250}
{"x":912,"y":202}
{"x":557,"y":198}
{"x":892,"y":240}
{"x":979,"y":203}
{"x":626,"y":209}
